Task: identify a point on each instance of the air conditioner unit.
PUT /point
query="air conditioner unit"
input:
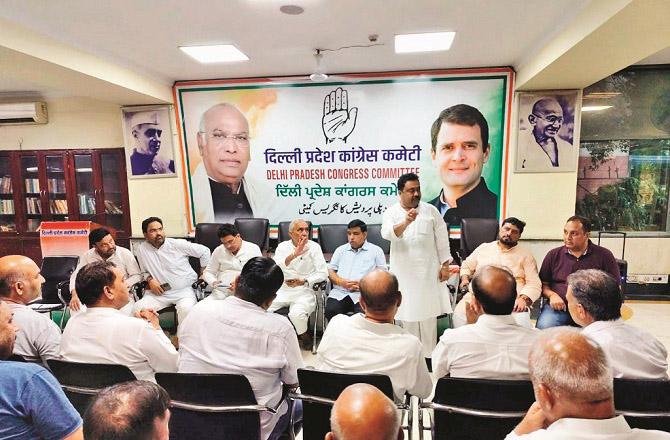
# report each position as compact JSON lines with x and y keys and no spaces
{"x":19,"y":113}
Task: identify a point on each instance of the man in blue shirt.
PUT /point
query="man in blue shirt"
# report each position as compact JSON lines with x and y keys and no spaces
{"x":32,"y":403}
{"x":349,"y":264}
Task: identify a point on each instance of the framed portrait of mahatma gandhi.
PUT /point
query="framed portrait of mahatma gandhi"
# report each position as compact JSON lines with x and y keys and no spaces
{"x":147,"y":138}
{"x":548,"y":131}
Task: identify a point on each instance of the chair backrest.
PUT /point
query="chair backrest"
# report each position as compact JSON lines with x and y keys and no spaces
{"x":475,"y":231}
{"x":82,"y":381}
{"x":255,"y":230}
{"x":496,"y":396}
{"x":375,"y":237}
{"x":210,"y":390}
{"x":56,"y":270}
{"x":207,"y":234}
{"x":282,"y":234}
{"x":315,"y":383}
{"x":644,"y":403}
{"x":332,"y":236}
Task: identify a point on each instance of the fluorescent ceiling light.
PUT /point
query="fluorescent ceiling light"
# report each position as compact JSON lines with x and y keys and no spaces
{"x":220,"y":53}
{"x":595,"y":108}
{"x":430,"y":42}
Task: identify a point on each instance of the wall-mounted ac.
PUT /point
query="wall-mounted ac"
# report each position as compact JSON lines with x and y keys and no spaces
{"x":19,"y":113}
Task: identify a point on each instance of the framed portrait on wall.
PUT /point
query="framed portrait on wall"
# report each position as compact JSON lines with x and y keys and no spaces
{"x":548,"y":131}
{"x":147,"y":135}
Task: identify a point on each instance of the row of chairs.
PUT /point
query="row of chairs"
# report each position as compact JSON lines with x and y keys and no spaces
{"x":224,"y":406}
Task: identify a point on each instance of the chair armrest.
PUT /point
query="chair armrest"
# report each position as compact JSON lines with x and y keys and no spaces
{"x":321,"y":285}
{"x":63,"y":295}
{"x":220,"y":408}
{"x":472,"y":412}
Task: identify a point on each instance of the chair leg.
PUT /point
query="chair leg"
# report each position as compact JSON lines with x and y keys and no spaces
{"x":316,"y":320}
{"x":62,"y":317}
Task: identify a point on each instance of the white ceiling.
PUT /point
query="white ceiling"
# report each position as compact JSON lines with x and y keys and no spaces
{"x":142,"y":36}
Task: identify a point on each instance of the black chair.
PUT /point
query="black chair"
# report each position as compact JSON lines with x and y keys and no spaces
{"x":282,"y":231}
{"x":17,"y":358}
{"x":56,"y":287}
{"x":644,"y":403}
{"x":320,"y":389}
{"x":477,"y":408}
{"x":255,"y":230}
{"x":207,"y":234}
{"x":332,"y":236}
{"x":208,"y":406}
{"x":375,"y":237}
{"x":475,"y":231}
{"x":82,"y":381}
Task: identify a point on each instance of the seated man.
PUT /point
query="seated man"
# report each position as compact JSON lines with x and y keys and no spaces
{"x":578,"y":253}
{"x":372,"y":343}
{"x":136,"y":410}
{"x":227,"y":260}
{"x":237,"y":335}
{"x":495,"y":346}
{"x":104,"y":335}
{"x":303,"y":265}
{"x":508,"y":253}
{"x":362,"y":412}
{"x":573,"y":392}
{"x":349,"y":263}
{"x":594,"y":302}
{"x":103,"y":248}
{"x":20,"y":284}
{"x":32,"y":403}
{"x":170,"y":274}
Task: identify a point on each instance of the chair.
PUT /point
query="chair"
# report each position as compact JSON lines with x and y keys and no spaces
{"x":375,"y":237}
{"x":644,"y":403}
{"x":56,"y":287}
{"x":477,"y":408}
{"x":17,"y":358}
{"x":320,"y":389}
{"x":82,"y":381}
{"x":332,"y":236}
{"x":282,"y":234}
{"x":475,"y":231}
{"x":255,"y":230}
{"x":208,"y":406}
{"x":207,"y":234}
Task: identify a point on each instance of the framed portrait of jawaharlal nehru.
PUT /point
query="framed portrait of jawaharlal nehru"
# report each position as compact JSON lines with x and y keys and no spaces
{"x":548,"y":131}
{"x":147,"y":138}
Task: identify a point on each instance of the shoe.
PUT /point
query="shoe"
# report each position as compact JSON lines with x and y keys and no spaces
{"x":305,"y":341}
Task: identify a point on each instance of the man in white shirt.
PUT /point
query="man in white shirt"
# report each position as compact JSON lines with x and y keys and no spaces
{"x":237,"y":335}
{"x":372,"y":343}
{"x":349,"y":264}
{"x":494,"y":346}
{"x":303,"y":265}
{"x":573,"y":393}
{"x":420,"y":259}
{"x":505,"y":252}
{"x":227,"y":261}
{"x":103,"y":248}
{"x":594,"y":302}
{"x":21,"y":284}
{"x":170,"y":274}
{"x":104,"y":335}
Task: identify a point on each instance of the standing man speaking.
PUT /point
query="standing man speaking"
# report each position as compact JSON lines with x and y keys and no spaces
{"x":420,"y":260}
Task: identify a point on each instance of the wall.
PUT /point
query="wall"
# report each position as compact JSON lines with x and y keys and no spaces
{"x":87,"y":123}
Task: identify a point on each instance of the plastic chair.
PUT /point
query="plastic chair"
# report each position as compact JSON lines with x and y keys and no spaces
{"x":477,"y":408}
{"x":82,"y":381}
{"x":208,"y":406}
{"x":644,"y":403}
{"x":282,"y":228}
{"x":255,"y":230}
{"x":475,"y":231}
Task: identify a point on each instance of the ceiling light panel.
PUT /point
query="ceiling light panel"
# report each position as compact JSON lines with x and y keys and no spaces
{"x":220,"y":53}
{"x":430,"y":42}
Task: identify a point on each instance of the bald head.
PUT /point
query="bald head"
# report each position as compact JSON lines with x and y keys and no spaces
{"x":379,"y":292}
{"x":495,"y":289}
{"x":546,"y":119}
{"x":20,"y":279}
{"x":362,"y":412}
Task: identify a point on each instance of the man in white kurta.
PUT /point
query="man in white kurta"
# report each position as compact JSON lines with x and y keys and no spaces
{"x":238,"y":336}
{"x":103,"y":248}
{"x":170,"y":274}
{"x":103,"y":335}
{"x":420,"y":259}
{"x":370,"y":342}
{"x":303,"y":265}
{"x":227,"y":261}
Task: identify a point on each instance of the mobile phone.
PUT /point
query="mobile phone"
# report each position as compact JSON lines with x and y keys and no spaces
{"x":166,"y":287}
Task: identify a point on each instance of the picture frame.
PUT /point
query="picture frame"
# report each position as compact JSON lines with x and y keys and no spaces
{"x":148,"y":141}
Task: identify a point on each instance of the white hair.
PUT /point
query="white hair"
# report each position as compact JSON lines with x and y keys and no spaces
{"x":296,"y":221}
{"x":584,"y":375}
{"x":201,"y":126}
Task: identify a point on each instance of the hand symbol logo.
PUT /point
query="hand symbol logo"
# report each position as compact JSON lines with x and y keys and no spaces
{"x":338,"y":120}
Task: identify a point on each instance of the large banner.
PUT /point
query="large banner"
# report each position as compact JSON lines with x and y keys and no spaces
{"x":331,"y":152}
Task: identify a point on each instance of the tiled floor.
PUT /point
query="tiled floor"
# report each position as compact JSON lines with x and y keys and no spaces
{"x":653,"y":316}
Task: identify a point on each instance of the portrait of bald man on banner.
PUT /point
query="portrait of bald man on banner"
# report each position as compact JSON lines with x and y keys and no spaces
{"x":149,"y":142}
{"x":547,"y":132}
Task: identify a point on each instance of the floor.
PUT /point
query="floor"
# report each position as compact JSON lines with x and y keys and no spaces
{"x":653,"y":316}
